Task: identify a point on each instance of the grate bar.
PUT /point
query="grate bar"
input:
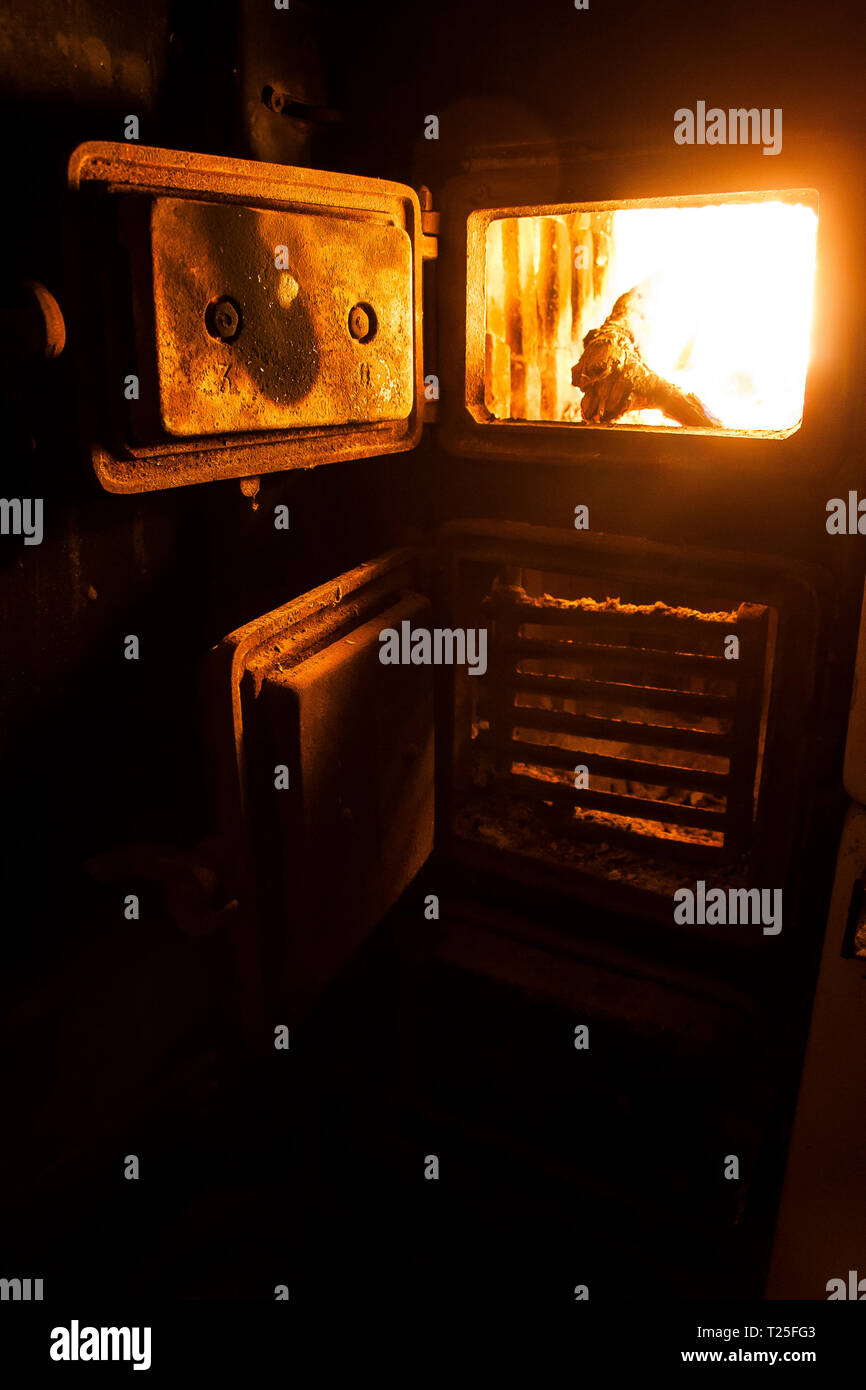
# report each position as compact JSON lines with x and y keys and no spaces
{"x":668,"y":812}
{"x":620,"y":730}
{"x":646,"y":619}
{"x":595,"y":654}
{"x":625,"y":769}
{"x":639,"y":696}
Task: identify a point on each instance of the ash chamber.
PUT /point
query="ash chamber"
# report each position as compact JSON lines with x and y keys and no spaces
{"x":663,"y":314}
{"x":637,"y":713}
{"x":613,"y":725}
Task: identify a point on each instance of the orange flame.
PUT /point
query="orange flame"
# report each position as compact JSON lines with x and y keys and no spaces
{"x":727,"y":301}
{"x":729,"y":304}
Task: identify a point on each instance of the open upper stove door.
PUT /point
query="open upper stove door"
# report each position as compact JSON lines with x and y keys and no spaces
{"x":243,"y":317}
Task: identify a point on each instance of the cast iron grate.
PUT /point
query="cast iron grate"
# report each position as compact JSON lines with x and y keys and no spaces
{"x":668,"y":728}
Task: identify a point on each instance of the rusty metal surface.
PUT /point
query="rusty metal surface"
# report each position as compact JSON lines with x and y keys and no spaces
{"x":312,"y":614}
{"x":356,"y":824}
{"x":105,"y":174}
{"x":321,"y":861}
{"x":294,"y":359}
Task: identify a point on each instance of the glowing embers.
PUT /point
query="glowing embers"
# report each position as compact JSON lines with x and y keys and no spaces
{"x":719,"y":311}
{"x":633,"y":723}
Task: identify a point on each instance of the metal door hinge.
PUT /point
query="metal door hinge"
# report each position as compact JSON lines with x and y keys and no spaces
{"x":429,"y":225}
{"x":429,"y":252}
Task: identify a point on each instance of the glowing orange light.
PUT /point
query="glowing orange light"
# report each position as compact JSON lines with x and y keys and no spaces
{"x":728,"y":292}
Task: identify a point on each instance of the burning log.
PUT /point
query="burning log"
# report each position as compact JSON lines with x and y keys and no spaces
{"x":614,"y":377}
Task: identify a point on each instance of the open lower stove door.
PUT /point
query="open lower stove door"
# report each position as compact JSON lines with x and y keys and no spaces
{"x":614,"y":718}
{"x":328,"y":774}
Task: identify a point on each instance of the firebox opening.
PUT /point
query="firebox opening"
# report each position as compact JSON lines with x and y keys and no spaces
{"x":687,"y":314}
{"x":618,"y":735}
